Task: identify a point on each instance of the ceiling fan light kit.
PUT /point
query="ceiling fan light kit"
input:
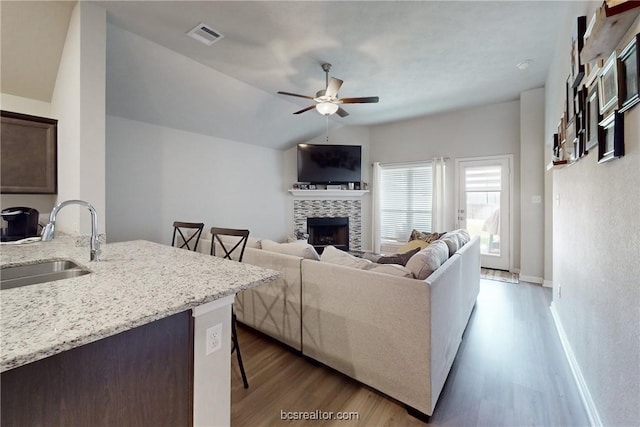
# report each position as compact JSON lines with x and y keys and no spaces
{"x":327,"y":101}
{"x":326,"y":108}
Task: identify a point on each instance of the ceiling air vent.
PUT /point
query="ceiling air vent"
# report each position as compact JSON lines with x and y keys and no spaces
{"x":205,"y":34}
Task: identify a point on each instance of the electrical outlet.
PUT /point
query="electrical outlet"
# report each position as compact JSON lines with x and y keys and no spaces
{"x":559,"y":292}
{"x":214,"y":338}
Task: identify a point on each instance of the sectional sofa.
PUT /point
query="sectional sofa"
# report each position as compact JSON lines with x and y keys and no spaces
{"x":398,"y":335}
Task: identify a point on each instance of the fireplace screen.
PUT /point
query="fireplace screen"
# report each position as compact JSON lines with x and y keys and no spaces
{"x":325,"y":232}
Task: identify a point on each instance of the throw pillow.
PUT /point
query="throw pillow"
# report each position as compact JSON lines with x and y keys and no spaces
{"x":427,"y":237}
{"x":452,"y":241}
{"x":456,"y":239}
{"x":333,"y":255}
{"x":420,"y":244}
{"x":428,"y":260}
{"x":302,"y":249}
{"x":400,"y":258}
{"x":371,"y":256}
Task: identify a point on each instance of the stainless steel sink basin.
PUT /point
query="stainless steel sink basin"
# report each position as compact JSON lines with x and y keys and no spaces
{"x":46,"y":271}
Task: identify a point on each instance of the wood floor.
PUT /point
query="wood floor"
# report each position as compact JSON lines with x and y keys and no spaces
{"x":510,"y":371}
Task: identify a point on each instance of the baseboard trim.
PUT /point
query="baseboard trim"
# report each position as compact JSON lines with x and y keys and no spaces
{"x":587,"y":400}
{"x":531,"y":279}
{"x":547,"y":283}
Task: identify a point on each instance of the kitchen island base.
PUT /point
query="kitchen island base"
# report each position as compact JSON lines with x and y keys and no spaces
{"x":143,"y":376}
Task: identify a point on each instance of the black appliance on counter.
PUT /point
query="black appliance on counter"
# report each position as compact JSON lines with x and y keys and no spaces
{"x":18,"y":223}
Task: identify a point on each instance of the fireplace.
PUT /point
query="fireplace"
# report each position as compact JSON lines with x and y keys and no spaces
{"x":325,"y":232}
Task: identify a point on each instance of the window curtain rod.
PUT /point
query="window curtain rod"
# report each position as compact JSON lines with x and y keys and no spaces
{"x":418,"y":162}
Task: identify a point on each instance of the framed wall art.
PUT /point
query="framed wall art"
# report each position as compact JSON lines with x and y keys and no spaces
{"x":611,"y":145}
{"x":591,"y":72}
{"x":628,"y":69}
{"x":570,"y":98}
{"x":29,"y":154}
{"x":570,"y":145}
{"x":608,"y":85}
{"x":577,"y":68}
{"x":593,"y":131}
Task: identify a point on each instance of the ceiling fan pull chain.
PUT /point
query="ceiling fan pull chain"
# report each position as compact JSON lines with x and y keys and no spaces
{"x":327,"y":128}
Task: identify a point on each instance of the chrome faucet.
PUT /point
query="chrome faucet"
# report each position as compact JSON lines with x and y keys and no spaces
{"x":49,"y":230}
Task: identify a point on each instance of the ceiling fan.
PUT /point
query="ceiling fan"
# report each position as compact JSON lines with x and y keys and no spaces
{"x":327,"y":101}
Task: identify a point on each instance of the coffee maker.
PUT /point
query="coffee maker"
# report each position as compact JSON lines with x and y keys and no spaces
{"x":18,"y":223}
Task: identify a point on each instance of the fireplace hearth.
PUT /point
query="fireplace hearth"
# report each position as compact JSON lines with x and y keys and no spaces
{"x":332,"y":231}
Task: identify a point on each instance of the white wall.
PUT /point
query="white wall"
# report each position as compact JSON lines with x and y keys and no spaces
{"x":532,"y":185}
{"x":42,"y":202}
{"x":157,"y":175}
{"x":482,"y":131}
{"x":78,"y":102}
{"x":347,"y":135}
{"x":596,"y":247}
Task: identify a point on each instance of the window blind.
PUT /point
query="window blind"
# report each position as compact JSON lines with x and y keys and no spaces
{"x":405,"y":200}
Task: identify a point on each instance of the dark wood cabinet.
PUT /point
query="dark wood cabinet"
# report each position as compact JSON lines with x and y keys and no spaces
{"x":141,"y":377}
{"x":28,"y":154}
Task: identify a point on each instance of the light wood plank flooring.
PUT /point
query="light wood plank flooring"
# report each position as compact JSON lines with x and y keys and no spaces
{"x":510,"y":371}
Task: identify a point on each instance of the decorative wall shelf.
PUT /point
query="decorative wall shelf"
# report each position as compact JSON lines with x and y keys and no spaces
{"x":557,"y":164}
{"x":606,"y":30}
{"x":328,"y":193}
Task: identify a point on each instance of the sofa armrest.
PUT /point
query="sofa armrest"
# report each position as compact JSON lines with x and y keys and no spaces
{"x":446,"y":328}
{"x":470,"y":269}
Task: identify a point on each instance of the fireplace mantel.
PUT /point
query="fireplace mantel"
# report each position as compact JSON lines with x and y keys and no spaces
{"x":328,"y":193}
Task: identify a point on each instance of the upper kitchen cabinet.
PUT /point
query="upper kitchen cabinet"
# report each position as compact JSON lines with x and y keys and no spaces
{"x":28,"y":147}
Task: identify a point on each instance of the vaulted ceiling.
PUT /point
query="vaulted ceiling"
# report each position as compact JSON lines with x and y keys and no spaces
{"x":419,"y":57}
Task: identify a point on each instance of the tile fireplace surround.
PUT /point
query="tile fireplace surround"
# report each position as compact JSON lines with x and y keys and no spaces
{"x":303,"y":209}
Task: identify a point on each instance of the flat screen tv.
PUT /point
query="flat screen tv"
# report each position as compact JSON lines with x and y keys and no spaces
{"x":329,"y":164}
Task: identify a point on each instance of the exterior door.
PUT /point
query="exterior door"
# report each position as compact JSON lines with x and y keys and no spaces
{"x":484,"y":207}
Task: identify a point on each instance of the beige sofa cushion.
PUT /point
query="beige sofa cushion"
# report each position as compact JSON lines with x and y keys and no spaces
{"x":333,"y":255}
{"x":428,"y":259}
{"x":301,"y":249}
{"x":393,"y":269}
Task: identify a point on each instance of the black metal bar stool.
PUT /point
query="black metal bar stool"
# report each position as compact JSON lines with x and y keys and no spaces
{"x":192,"y":238}
{"x":240,"y":245}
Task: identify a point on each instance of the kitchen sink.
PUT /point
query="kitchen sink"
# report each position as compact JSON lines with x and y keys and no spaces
{"x":45,"y":271}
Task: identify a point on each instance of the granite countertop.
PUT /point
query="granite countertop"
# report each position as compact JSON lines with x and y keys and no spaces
{"x":133,"y":284}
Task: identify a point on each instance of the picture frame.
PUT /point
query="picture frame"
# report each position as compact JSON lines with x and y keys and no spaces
{"x":592,"y":70}
{"x":577,"y":42}
{"x":608,"y":85}
{"x":29,"y":162}
{"x":579,"y":106}
{"x":570,"y":100}
{"x":611,"y":145}
{"x":629,"y":75}
{"x":570,"y":144}
{"x":593,"y":131}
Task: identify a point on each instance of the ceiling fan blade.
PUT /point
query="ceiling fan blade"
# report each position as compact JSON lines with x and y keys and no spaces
{"x":311,"y":107}
{"x":295,"y":94}
{"x":363,"y":100}
{"x":333,"y":87}
{"x":341,"y":112}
